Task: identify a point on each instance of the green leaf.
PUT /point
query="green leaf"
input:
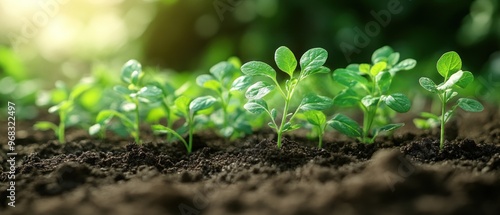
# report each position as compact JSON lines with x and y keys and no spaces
{"x":122,"y":90}
{"x":381,"y":54}
{"x":449,"y":63}
{"x":213,"y":85}
{"x":448,"y":115}
{"x":421,"y":123}
{"x":291,"y":84}
{"x":258,"y":90}
{"x":95,"y":129}
{"x":315,"y":117}
{"x":164,"y":129}
{"x":349,"y":78}
{"x":465,"y":79}
{"x":429,"y":115}
{"x":406,"y":64}
{"x":257,"y":68}
{"x":315,"y":102}
{"x":318,"y":70}
{"x":393,"y":59}
{"x":128,"y":70}
{"x":221,"y":70}
{"x":345,"y":125}
{"x":369,"y":100}
{"x":135,"y":77}
{"x":201,"y":79}
{"x":346,"y":98}
{"x":256,"y":106}
{"x":55,"y":108}
{"x":149,"y":94}
{"x":313,"y":58}
{"x":377,"y":68}
{"x":353,"y":67}
{"x":428,"y":84}
{"x":44,"y":126}
{"x":241,"y":83}
{"x":182,"y":105}
{"x":451,"y":81}
{"x":274,"y":113}
{"x":78,"y":90}
{"x":389,"y":127}
{"x":288,"y":126}
{"x":364,"y":68}
{"x":383,"y":80}
{"x":398,"y":102}
{"x":105,"y":116}
{"x":201,"y":103}
{"x":470,"y":105}
{"x":285,"y":60}
{"x":449,"y":94}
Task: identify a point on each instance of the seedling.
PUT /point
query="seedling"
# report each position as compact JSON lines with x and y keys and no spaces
{"x":449,"y":67}
{"x":134,"y":94}
{"x":318,"y":120}
{"x":310,"y":63}
{"x":231,"y":117}
{"x":189,"y":110}
{"x":368,"y":88}
{"x":63,"y":109}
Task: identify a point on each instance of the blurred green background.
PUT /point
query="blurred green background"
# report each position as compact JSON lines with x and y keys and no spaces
{"x":48,"y":40}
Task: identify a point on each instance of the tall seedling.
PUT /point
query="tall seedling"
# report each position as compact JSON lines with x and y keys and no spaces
{"x":230,"y":118}
{"x":449,"y":67}
{"x":134,"y":95}
{"x":368,"y":88}
{"x":63,"y":109}
{"x":187,"y":109}
{"x":311,"y":63}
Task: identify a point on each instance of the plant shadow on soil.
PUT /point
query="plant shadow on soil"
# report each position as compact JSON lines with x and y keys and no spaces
{"x":404,"y":174}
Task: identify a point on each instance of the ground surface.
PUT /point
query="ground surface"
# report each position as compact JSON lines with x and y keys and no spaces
{"x":406,"y":174}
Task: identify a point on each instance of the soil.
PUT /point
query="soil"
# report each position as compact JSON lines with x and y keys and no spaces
{"x":402,"y":174}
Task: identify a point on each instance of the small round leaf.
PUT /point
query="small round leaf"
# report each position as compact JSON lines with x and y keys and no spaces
{"x":470,"y":105}
{"x":398,"y":102}
{"x":449,"y":63}
{"x":257,"y":68}
{"x":285,"y":60}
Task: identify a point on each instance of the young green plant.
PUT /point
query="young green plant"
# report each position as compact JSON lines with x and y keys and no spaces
{"x":134,"y":94}
{"x":63,"y":109}
{"x":189,"y":110}
{"x":230,"y":118}
{"x":449,"y":66}
{"x":318,"y":120}
{"x":311,"y":63}
{"x":368,"y":88}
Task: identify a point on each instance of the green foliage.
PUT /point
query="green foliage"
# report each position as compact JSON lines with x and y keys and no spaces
{"x":311,"y":63}
{"x":134,"y":93}
{"x":449,"y":67}
{"x":368,"y":88}
{"x":318,"y":120}
{"x":63,"y":108}
{"x":189,"y":110}
{"x":230,"y":118}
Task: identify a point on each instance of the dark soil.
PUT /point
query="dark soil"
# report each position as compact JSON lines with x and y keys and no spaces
{"x":404,"y":174}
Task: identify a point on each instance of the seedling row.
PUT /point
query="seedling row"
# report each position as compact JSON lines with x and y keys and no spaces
{"x":236,"y":99}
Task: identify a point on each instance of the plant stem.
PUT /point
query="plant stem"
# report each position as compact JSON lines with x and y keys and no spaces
{"x":443,"y":109}
{"x":138,"y":122}
{"x":190,"y":133}
{"x":169,"y":121}
{"x":61,"y":129}
{"x":320,"y":138}
{"x":283,"y":120}
{"x":367,"y":124}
